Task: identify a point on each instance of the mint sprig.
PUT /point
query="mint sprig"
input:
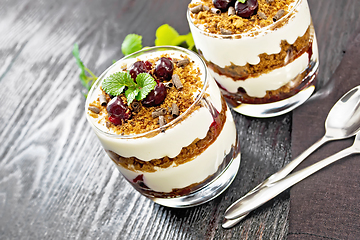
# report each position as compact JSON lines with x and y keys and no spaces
{"x":117,"y":82}
{"x":165,"y":35}
{"x":86,"y":81}
{"x":242,"y":1}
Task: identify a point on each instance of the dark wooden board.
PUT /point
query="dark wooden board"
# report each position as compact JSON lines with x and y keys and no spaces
{"x":56,"y":181}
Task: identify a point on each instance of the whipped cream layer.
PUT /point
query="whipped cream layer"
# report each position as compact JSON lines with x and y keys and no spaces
{"x":225,"y":50}
{"x":194,"y":171}
{"x":178,"y":135}
{"x":257,"y":86}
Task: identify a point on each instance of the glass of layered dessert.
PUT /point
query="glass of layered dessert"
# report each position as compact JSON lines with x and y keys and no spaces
{"x":262,"y":53}
{"x":162,"y":120}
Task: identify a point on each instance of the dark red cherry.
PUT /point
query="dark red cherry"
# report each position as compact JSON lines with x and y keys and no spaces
{"x":118,"y":111}
{"x":156,"y":96}
{"x":139,"y":67}
{"x":148,"y":65}
{"x":247,"y":9}
{"x":164,"y":68}
{"x":223,"y":5}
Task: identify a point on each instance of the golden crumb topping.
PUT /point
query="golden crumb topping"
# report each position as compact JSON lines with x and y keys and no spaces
{"x":269,"y":11}
{"x":144,"y":119}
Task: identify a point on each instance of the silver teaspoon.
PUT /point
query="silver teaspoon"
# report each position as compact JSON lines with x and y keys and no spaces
{"x":256,"y":199}
{"x":342,"y":122}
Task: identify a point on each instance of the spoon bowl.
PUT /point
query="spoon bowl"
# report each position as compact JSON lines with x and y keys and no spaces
{"x":343,"y":118}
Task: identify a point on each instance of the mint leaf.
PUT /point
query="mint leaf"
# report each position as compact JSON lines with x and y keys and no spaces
{"x":115,"y":83}
{"x":188,"y":39}
{"x":131,"y":44}
{"x":242,"y":1}
{"x":146,"y":84}
{"x":131,"y":94}
{"x":165,"y":34}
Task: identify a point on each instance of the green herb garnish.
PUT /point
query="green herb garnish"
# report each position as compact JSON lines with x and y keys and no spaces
{"x":167,"y":35}
{"x":242,"y":1}
{"x":132,"y":43}
{"x":116,"y":83}
{"x":86,"y":81}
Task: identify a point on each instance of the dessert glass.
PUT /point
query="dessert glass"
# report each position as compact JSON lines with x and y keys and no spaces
{"x":284,"y":55}
{"x":201,"y":146}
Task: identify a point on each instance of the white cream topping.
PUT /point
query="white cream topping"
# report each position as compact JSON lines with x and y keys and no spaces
{"x":195,"y":171}
{"x":170,"y":142}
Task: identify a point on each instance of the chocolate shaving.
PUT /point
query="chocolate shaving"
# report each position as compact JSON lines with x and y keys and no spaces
{"x":103,"y":100}
{"x":162,"y":122}
{"x":168,"y":84}
{"x":278,"y":15}
{"x":174,"y":110}
{"x":205,"y":8}
{"x":231,"y":11}
{"x":94,"y":109}
{"x":107,"y":124}
{"x":158,"y":112}
{"x":262,"y":15}
{"x":197,"y":9}
{"x":225,"y":31}
{"x":182,"y":63}
{"x":135,"y":106}
{"x":215,"y":11}
{"x":174,"y":60}
{"x":177,"y":82}
{"x":269,"y":1}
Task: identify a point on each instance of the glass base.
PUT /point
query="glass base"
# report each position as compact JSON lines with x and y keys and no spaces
{"x":207,"y":193}
{"x":278,"y":108}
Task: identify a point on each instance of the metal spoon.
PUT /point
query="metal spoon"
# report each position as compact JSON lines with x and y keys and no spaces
{"x":342,"y":122}
{"x":256,"y":199}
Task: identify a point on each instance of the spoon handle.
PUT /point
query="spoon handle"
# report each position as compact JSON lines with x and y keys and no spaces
{"x":258,"y":198}
{"x":294,"y":163}
{"x":278,"y":175}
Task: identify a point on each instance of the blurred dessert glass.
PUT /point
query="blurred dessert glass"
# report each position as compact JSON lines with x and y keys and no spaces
{"x":265,"y":64}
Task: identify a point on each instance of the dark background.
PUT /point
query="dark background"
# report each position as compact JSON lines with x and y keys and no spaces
{"x":56,"y":181}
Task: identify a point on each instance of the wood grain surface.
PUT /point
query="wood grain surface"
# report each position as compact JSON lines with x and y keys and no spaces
{"x":56,"y":181}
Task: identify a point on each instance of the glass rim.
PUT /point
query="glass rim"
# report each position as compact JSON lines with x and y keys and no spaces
{"x":134,"y":55}
{"x":248,"y":33}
